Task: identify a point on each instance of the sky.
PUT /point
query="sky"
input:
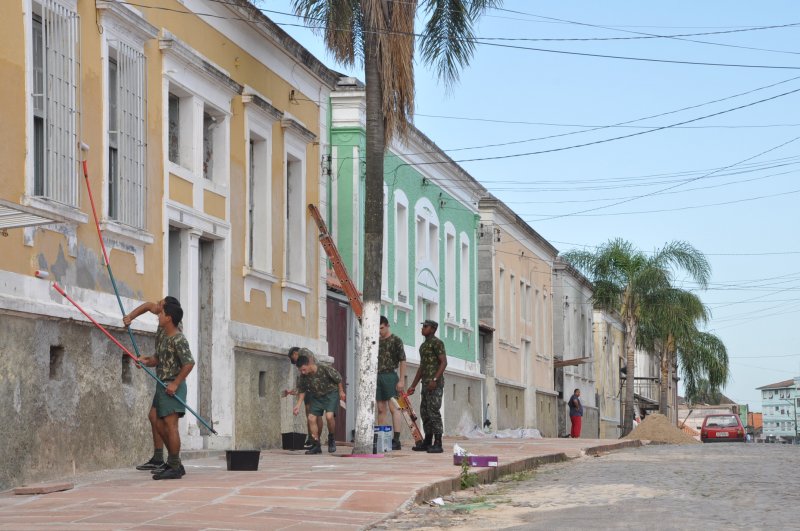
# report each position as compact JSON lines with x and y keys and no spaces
{"x":703,"y":160}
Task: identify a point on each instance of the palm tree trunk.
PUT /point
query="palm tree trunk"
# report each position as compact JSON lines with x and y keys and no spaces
{"x":630,"y":354}
{"x":663,"y":399}
{"x":367,"y":358}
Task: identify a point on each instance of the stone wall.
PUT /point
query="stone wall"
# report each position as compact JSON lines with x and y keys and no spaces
{"x":510,"y":407}
{"x":546,"y":414}
{"x":261,"y":414}
{"x":70,"y":400}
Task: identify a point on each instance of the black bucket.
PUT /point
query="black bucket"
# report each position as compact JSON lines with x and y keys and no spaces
{"x":293,"y":440}
{"x":242,"y":459}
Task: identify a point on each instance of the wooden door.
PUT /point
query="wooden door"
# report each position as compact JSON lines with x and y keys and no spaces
{"x":337,"y":348}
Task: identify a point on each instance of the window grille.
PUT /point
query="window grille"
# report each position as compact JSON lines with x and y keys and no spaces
{"x":127,"y":183}
{"x":56,"y":114}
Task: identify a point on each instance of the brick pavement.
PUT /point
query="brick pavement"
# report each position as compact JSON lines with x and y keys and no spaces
{"x":290,"y":490}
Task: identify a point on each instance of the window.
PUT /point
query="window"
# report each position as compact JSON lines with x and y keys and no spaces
{"x":401,"y":247}
{"x":295,"y":216}
{"x":260,"y":203}
{"x":127,"y":108}
{"x":385,"y":250}
{"x":512,"y":308}
{"x":55,"y":61}
{"x":450,"y":272}
{"x":465,"y":290}
{"x":501,"y":304}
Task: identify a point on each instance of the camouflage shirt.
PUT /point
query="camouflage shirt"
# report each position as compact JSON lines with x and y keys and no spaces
{"x":311,"y":358}
{"x":325,"y":380}
{"x":172,"y":353}
{"x":390,"y":353}
{"x":429,"y":353}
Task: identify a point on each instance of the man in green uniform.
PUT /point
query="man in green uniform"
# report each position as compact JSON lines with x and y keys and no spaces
{"x":321,"y":382}
{"x":157,"y":461}
{"x":294,"y":353}
{"x":391,"y":356}
{"x":432,"y":363}
{"x":173,"y":362}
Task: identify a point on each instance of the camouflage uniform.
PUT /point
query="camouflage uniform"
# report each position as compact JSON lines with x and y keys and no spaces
{"x":431,"y":403}
{"x":323,"y":387}
{"x":172,"y":353}
{"x":325,"y":380}
{"x":300,"y":378}
{"x":390,"y":354}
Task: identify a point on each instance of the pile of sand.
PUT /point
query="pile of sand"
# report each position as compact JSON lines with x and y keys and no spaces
{"x":657,"y":428}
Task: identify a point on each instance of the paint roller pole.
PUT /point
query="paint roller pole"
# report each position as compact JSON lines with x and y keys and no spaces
{"x":85,"y":149}
{"x":126,"y":351}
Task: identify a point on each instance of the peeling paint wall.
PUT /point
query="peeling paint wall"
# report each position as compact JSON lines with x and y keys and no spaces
{"x":68,"y":401}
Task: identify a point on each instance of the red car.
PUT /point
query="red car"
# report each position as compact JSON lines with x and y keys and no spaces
{"x":722,"y":428}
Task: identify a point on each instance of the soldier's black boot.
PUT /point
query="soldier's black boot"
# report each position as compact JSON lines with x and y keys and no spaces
{"x":331,"y":443}
{"x":315,"y":449}
{"x":423,"y":446}
{"x":436,"y":447}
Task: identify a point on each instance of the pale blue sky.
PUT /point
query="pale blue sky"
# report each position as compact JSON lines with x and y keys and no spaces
{"x":752,"y":241}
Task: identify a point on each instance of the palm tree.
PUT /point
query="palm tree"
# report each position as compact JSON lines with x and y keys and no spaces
{"x":381,"y":34}
{"x":703,"y":363}
{"x":671,"y":320}
{"x":626,"y":280}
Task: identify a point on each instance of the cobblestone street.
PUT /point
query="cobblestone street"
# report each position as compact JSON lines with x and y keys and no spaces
{"x":710,"y":486}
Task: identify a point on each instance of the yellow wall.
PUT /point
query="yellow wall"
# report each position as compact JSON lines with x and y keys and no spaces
{"x":519,"y":260}
{"x":245,"y":70}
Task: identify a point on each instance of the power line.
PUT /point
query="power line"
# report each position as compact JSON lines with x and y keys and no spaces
{"x":475,"y":40}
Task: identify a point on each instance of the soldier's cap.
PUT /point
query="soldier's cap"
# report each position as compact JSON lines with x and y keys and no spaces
{"x":430,"y":322}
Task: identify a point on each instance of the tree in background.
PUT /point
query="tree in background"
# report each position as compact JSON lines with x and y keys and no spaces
{"x":381,"y":34}
{"x":703,"y":363}
{"x":627,"y":280}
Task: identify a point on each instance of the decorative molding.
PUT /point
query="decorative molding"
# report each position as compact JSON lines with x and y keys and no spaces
{"x":124,"y":20}
{"x":169,"y":43}
{"x":257,"y":103}
{"x":259,"y":281}
{"x":291,"y":291}
{"x":293,"y":126}
{"x":127,"y":239}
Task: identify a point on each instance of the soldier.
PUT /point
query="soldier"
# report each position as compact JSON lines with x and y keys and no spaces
{"x":432,"y":363}
{"x":294,"y":353}
{"x":391,"y":357}
{"x":173,"y":362}
{"x":321,"y":382}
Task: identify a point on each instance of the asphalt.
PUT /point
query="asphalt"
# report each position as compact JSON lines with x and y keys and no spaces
{"x":290,"y":490}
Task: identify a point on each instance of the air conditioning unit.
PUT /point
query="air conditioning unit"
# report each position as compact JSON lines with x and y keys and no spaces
{"x":464,"y":322}
{"x":402,"y":297}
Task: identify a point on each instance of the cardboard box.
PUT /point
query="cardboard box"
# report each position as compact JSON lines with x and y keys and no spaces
{"x":476,"y":460}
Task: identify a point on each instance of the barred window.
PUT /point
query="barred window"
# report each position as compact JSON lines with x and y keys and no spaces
{"x":127,"y":183}
{"x":55,"y":32}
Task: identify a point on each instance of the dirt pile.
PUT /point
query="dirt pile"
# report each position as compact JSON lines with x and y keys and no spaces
{"x":658,"y":428}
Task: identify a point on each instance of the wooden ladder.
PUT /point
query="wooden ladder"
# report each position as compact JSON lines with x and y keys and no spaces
{"x":336,"y":260}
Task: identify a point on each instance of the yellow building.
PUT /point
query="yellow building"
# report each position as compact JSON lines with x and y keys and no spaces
{"x":206,"y":125}
{"x":515,"y":268}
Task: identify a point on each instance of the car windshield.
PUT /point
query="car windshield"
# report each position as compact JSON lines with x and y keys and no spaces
{"x":722,"y":421}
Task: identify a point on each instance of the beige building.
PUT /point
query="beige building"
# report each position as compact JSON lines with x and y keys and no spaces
{"x":573,"y":346}
{"x":206,"y":136}
{"x":514,"y":306}
{"x":609,"y":356}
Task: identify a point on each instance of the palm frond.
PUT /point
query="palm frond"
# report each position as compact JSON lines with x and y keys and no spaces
{"x":448,"y":42}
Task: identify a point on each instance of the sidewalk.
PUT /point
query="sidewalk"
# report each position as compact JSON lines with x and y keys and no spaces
{"x":290,"y":490}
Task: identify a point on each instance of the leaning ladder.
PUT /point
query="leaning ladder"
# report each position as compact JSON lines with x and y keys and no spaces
{"x":336,"y":260}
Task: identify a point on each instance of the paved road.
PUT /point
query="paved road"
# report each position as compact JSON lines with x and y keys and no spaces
{"x":710,"y":486}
